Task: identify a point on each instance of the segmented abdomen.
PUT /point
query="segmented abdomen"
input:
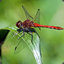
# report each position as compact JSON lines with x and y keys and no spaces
{"x":46,"y":26}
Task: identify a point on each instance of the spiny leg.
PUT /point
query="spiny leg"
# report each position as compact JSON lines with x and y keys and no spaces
{"x":33,"y":30}
{"x":22,"y":35}
{"x":19,"y":42}
{"x":37,"y":34}
{"x":17,"y":45}
{"x":31,"y":37}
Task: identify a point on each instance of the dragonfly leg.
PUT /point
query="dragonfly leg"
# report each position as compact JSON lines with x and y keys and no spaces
{"x":17,"y":45}
{"x":37,"y":34}
{"x":21,"y":35}
{"x":31,"y":36}
{"x":19,"y":42}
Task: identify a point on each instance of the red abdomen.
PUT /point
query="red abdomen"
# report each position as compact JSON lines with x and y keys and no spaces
{"x":46,"y":26}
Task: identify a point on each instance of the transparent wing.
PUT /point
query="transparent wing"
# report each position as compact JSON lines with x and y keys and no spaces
{"x":12,"y":41}
{"x":19,"y":43}
{"x":34,"y":47}
{"x":24,"y":42}
{"x":37,"y":17}
{"x":28,"y":16}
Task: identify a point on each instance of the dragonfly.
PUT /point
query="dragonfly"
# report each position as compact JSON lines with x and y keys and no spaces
{"x":30,"y":23}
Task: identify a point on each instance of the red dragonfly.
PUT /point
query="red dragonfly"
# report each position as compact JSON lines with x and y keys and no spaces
{"x":27,"y":25}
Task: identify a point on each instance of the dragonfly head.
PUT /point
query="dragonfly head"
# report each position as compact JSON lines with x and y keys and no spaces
{"x":19,"y":24}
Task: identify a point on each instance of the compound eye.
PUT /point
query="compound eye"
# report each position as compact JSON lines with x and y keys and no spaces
{"x":18,"y":24}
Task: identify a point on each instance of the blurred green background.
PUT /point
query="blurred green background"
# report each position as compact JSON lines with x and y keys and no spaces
{"x":52,"y":41}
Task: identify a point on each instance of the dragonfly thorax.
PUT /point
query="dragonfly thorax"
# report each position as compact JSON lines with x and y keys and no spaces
{"x":28,"y":24}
